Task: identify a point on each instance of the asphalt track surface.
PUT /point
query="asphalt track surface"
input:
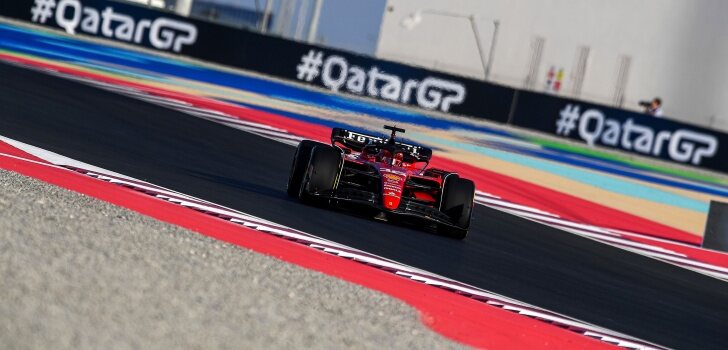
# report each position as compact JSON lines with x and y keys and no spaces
{"x":505,"y":254}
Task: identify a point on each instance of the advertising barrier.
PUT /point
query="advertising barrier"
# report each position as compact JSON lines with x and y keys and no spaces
{"x":331,"y":69}
{"x":359,"y":75}
{"x":117,"y":21}
{"x":394,"y":82}
{"x":616,"y":128}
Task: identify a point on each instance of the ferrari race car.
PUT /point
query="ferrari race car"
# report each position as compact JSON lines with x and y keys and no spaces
{"x":388,"y":178}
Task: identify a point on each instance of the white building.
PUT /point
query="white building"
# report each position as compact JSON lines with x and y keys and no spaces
{"x":614,"y":52}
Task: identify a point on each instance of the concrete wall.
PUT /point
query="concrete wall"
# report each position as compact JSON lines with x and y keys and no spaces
{"x":678,"y":48}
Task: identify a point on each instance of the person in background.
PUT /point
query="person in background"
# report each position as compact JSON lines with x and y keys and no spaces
{"x":654,"y":107}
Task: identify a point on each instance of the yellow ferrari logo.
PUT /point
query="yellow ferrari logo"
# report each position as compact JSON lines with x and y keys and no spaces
{"x":391,"y":177}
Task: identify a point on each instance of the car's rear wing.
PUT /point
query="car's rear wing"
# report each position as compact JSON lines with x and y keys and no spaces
{"x":356,"y":141}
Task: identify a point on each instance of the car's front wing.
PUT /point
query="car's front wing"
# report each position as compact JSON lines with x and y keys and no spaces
{"x":406,"y":207}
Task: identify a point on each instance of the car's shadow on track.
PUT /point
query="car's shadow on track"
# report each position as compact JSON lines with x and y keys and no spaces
{"x":377,"y":217}
{"x":279,"y":193}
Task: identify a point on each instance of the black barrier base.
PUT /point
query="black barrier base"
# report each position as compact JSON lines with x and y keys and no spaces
{"x":716,"y":227}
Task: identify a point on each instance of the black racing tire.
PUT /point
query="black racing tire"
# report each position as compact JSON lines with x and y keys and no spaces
{"x":457,"y":202}
{"x":299,"y":166}
{"x":322,"y":173}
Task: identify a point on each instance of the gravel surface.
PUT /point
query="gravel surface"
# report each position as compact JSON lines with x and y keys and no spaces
{"x":78,"y":273}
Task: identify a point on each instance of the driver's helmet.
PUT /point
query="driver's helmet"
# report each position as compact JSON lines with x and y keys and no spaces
{"x":397,"y":159}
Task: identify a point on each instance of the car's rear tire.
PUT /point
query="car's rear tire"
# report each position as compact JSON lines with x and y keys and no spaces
{"x":457,"y":202}
{"x":299,"y":166}
{"x":322,"y":172}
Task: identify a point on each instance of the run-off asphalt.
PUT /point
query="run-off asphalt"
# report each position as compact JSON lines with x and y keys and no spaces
{"x":79,"y":273}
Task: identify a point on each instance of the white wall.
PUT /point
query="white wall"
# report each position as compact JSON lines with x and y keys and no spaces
{"x":679,"y":48}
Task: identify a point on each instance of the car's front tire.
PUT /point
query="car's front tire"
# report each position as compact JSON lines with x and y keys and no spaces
{"x":299,"y":166}
{"x":457,"y":202}
{"x":322,"y":172}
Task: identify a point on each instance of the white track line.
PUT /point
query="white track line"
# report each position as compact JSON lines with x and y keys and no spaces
{"x":312,"y":241}
{"x":600,"y":234}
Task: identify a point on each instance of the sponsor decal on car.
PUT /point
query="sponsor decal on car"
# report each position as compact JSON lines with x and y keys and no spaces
{"x":392,"y":177}
{"x":398,"y":172}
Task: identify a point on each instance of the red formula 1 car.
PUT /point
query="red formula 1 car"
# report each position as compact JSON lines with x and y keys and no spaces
{"x":387,"y":177}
